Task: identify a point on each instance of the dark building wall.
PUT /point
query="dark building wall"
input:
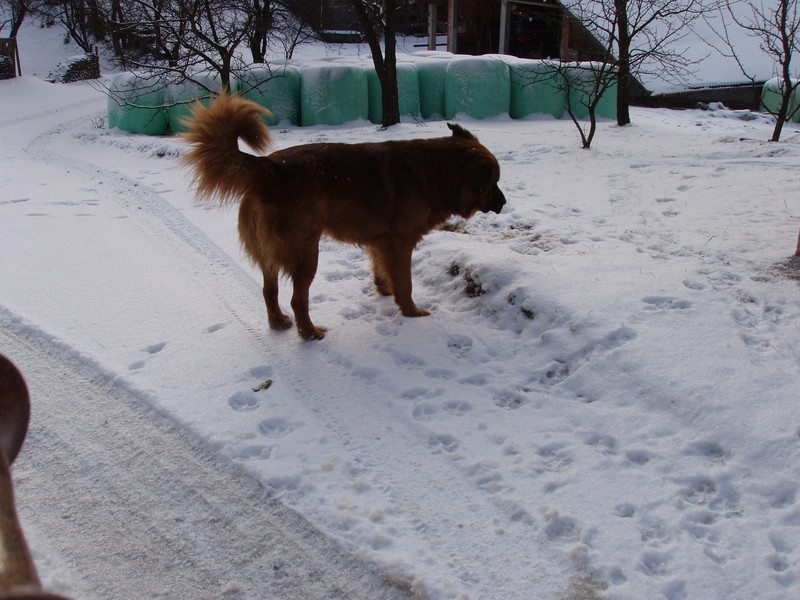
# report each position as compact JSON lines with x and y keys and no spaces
{"x":738,"y":97}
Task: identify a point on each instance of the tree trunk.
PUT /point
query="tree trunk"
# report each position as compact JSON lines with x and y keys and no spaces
{"x":783,"y":111}
{"x":262,"y":23}
{"x":624,"y":63}
{"x":797,"y":251}
{"x":385,"y":66}
{"x":390,"y":96}
{"x":17,"y":19}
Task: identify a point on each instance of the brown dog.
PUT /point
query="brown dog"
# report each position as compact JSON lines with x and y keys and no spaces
{"x":381,"y":196}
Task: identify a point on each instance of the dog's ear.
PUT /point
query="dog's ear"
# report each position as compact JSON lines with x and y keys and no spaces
{"x":459,"y":131}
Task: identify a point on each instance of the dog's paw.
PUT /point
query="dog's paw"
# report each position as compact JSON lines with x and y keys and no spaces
{"x":382,"y":286}
{"x":415,"y":312}
{"x":315,"y":333}
{"x":280,"y":322}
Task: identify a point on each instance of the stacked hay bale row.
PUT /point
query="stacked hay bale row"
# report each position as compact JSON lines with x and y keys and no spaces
{"x":431,"y":86}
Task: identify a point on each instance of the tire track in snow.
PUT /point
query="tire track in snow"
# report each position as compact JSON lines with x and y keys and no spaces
{"x":134,"y":507}
{"x":192,"y":246}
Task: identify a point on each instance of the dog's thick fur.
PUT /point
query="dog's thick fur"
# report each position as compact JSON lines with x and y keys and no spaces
{"x":382,"y":196}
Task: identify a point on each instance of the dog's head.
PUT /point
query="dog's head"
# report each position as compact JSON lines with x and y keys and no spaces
{"x":481,"y":175}
{"x":480,"y":192}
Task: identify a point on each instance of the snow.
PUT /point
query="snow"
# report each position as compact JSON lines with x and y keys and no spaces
{"x":602,"y":404}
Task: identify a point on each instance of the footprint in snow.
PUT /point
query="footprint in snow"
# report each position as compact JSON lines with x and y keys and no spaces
{"x":442,"y":441}
{"x":423,"y":412}
{"x":155,"y":348}
{"x":254,"y":452}
{"x":414,"y":393}
{"x":244,"y":401}
{"x":561,"y":529}
{"x":693,"y":284}
{"x":639,"y":457}
{"x":437,"y":373}
{"x":260,"y":373}
{"x":477,"y":379}
{"x":214,"y":327}
{"x":406,"y":359}
{"x":655,"y":563}
{"x":460,"y":345}
{"x":780,"y":495}
{"x":709,"y":449}
{"x":625,"y":510}
{"x":275,"y":427}
{"x":666,"y":303}
{"x":152,"y":350}
{"x":457,"y":407}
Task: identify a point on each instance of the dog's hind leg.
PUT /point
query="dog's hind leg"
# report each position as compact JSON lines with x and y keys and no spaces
{"x":275,"y":316}
{"x":380,"y":276}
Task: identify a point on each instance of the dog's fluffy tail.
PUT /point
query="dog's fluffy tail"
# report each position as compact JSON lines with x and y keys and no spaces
{"x":222,"y":172}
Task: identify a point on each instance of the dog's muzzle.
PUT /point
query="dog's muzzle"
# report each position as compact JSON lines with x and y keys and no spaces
{"x":497,"y":203}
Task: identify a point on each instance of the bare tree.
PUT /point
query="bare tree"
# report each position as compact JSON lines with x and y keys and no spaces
{"x":645,"y":37}
{"x":776,"y":25}
{"x":15,"y":11}
{"x":583,"y":85}
{"x":260,"y":28}
{"x":291,"y":25}
{"x":377,"y":19}
{"x":85,"y":21}
{"x":180,"y":38}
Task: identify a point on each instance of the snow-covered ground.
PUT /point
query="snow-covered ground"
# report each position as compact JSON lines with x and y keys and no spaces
{"x":602,"y":404}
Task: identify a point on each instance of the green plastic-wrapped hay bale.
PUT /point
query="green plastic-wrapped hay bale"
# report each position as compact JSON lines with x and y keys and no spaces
{"x":432,"y":75}
{"x":536,"y":88}
{"x":772,"y":96}
{"x":333,"y":93}
{"x":478,"y":87}
{"x":136,"y":104}
{"x":582,"y":79}
{"x":407,"y":92}
{"x":276,"y":88}
{"x":179,"y":97}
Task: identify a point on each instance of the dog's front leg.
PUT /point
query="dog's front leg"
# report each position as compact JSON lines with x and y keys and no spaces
{"x":399,"y":268}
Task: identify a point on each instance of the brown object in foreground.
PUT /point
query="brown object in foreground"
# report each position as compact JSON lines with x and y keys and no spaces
{"x":383,"y":197}
{"x":18,"y":578}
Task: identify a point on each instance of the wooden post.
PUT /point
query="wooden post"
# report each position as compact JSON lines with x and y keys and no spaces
{"x":432,"y":25}
{"x":505,"y":27}
{"x":16,"y":53}
{"x":452,"y":26}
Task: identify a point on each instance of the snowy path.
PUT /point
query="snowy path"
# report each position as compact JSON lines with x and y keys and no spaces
{"x":118,"y":502}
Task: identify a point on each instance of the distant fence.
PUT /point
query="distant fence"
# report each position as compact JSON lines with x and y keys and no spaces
{"x":9,"y":58}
